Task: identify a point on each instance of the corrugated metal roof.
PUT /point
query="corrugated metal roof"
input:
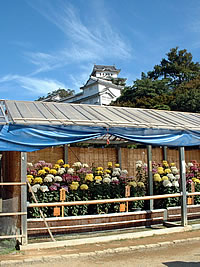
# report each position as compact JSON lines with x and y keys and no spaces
{"x":52,"y":113}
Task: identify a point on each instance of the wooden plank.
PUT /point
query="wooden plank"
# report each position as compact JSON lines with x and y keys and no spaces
{"x":95,"y":224}
{"x":12,"y":183}
{"x":102,"y":201}
{"x":12,"y":214}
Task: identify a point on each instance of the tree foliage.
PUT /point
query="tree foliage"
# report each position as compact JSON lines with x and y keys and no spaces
{"x":178,"y":66}
{"x":62,"y":93}
{"x":174,"y":84}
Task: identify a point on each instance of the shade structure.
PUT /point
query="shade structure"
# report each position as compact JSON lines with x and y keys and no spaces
{"x":29,"y":126}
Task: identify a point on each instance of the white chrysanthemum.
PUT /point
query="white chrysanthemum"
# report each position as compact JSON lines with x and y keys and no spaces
{"x":70,"y":171}
{"x":77,"y":164}
{"x":116,"y":173}
{"x":35,"y":187}
{"x":174,"y":170}
{"x":167,"y":183}
{"x":61,"y":170}
{"x":139,"y":162}
{"x":138,"y":165}
{"x":48,"y":179}
{"x":50,"y":175}
{"x":190,"y":164}
{"x":107,"y":175}
{"x":29,"y":164}
{"x":85,"y":165}
{"x":175,"y":183}
{"x":114,"y":179}
{"x":170,"y":176}
{"x":124,"y":172}
{"x":44,"y":188}
{"x":58,"y":179}
{"x":117,"y":170}
{"x":98,"y":181}
{"x":177,"y":177}
{"x":106,"y":180}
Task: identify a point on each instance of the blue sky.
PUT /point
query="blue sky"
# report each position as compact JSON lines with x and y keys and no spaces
{"x":51,"y":44}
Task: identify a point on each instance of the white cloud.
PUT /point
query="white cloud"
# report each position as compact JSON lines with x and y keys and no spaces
{"x":35,"y":85}
{"x":84,"y":41}
{"x":44,"y":62}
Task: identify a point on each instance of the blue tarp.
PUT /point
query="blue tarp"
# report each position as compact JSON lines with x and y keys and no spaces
{"x":32,"y":138}
{"x":160,"y":137}
{"x":35,"y":137}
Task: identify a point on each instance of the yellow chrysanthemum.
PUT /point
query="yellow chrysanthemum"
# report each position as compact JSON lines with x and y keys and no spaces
{"x":166,"y":165}
{"x":157,"y":177}
{"x":66,"y":165}
{"x":160,"y":171}
{"x":140,"y":184}
{"x":60,"y":162}
{"x":41,"y":172}
{"x":99,"y":178}
{"x":133,"y":183}
{"x":172,"y":164}
{"x":29,"y":180}
{"x":117,"y":165}
{"x":56,"y":166}
{"x":38,"y":180}
{"x":109,"y":164}
{"x":84,"y":187}
{"x":165,"y":162}
{"x":30,"y":176}
{"x":165,"y":178}
{"x":195,"y":180}
{"x":168,"y":170}
{"x":47,"y":169}
{"x":53,"y":171}
{"x":99,"y":168}
{"x":160,"y":168}
{"x":75,"y":183}
{"x":99,"y":172}
{"x":73,"y":187}
{"x":107,"y":171}
{"x":89,"y":177}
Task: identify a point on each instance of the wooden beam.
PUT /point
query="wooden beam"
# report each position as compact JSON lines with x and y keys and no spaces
{"x":101,"y":201}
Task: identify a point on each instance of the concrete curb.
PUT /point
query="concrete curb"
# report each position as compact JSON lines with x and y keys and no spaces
{"x":67,"y":257}
{"x":102,"y":239}
{"x":12,"y":263}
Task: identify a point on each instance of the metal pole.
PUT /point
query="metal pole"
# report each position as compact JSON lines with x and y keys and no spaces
{"x":183,"y":186}
{"x":24,"y":198}
{"x":164,"y":152}
{"x":119,"y":156}
{"x":150,"y":175}
{"x":66,"y":153}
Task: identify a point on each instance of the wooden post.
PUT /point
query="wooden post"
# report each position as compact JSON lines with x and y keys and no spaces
{"x":183,"y":186}
{"x":165,"y":153}
{"x":24,"y":239}
{"x":66,"y":154}
{"x":119,"y":156}
{"x":150,"y":175}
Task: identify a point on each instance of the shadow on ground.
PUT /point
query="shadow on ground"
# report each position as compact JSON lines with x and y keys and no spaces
{"x":181,"y":264}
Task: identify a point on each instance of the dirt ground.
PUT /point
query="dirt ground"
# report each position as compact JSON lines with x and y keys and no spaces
{"x":180,"y":255}
{"x":184,"y":252}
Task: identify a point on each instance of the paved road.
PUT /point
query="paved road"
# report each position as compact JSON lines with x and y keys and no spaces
{"x":178,"y":255}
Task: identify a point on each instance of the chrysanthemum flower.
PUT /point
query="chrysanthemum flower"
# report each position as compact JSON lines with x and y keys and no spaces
{"x":84,"y":187}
